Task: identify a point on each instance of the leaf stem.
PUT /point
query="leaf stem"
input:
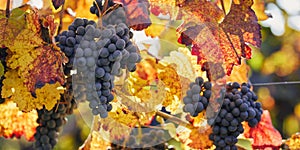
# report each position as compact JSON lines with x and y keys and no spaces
{"x":61,"y":13}
{"x":105,"y":6}
{"x":223,"y":7}
{"x":7,"y":11}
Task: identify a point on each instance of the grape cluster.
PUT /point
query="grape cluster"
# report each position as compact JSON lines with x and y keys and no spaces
{"x":91,"y":83}
{"x":116,"y":53}
{"x":197,"y":97}
{"x":239,"y":105}
{"x":70,"y":39}
{"x":50,"y":124}
{"x":100,"y":3}
{"x":115,"y":17}
{"x":3,"y":55}
{"x":151,"y":140}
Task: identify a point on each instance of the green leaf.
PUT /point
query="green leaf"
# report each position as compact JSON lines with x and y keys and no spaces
{"x":244,"y":143}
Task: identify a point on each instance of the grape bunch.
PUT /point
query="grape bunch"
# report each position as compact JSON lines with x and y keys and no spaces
{"x":3,"y":55}
{"x":152,"y":139}
{"x":113,"y":16}
{"x":99,"y":3}
{"x":197,"y":97}
{"x":86,"y":86}
{"x":70,"y":39}
{"x":50,"y":124}
{"x":117,"y":52}
{"x":239,"y":105}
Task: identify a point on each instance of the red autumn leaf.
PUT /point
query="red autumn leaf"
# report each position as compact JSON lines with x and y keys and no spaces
{"x":264,"y":134}
{"x":137,"y":13}
{"x":219,"y":43}
{"x":47,"y":68}
{"x":57,"y":3}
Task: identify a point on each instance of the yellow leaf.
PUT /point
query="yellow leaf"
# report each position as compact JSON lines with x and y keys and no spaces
{"x":156,"y":28}
{"x":49,"y":95}
{"x":186,"y":64}
{"x":293,"y":142}
{"x":14,"y":88}
{"x":259,"y":9}
{"x":171,"y":129}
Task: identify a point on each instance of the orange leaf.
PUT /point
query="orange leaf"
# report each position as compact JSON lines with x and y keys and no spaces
{"x":239,"y":73}
{"x":196,"y":138}
{"x":223,"y":43}
{"x":137,"y":13}
{"x":15,"y":123}
{"x":264,"y":134}
{"x":201,"y":10}
{"x":47,"y":68}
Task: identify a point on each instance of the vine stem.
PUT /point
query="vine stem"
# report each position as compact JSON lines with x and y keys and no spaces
{"x":175,"y":119}
{"x":223,"y":7}
{"x":61,"y":13}
{"x":7,"y":10}
{"x":276,"y":83}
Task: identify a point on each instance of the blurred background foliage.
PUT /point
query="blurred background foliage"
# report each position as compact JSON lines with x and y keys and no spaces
{"x":278,"y":60}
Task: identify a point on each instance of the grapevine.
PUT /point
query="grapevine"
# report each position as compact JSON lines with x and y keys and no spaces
{"x":190,"y":92}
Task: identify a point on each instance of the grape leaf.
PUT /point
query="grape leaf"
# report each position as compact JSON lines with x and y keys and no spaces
{"x":168,"y":75}
{"x":137,"y":13}
{"x":259,"y":9}
{"x":12,"y":26}
{"x":157,"y":27}
{"x":98,"y":142}
{"x":57,"y":3}
{"x":15,"y":123}
{"x":15,"y":89}
{"x":196,"y":138}
{"x":163,"y":7}
{"x":161,"y":73}
{"x":264,"y":134}
{"x":201,"y":10}
{"x":46,"y":68}
{"x":293,"y":142}
{"x":200,"y":138}
{"x":186,"y":64}
{"x":224,"y":42}
{"x":239,"y":73}
{"x":32,"y":61}
{"x":112,"y":129}
{"x":131,"y":114}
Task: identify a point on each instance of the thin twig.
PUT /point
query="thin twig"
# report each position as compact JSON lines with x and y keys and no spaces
{"x":105,"y":6}
{"x":174,"y":119}
{"x":276,"y":83}
{"x":61,"y":13}
{"x":7,"y":11}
